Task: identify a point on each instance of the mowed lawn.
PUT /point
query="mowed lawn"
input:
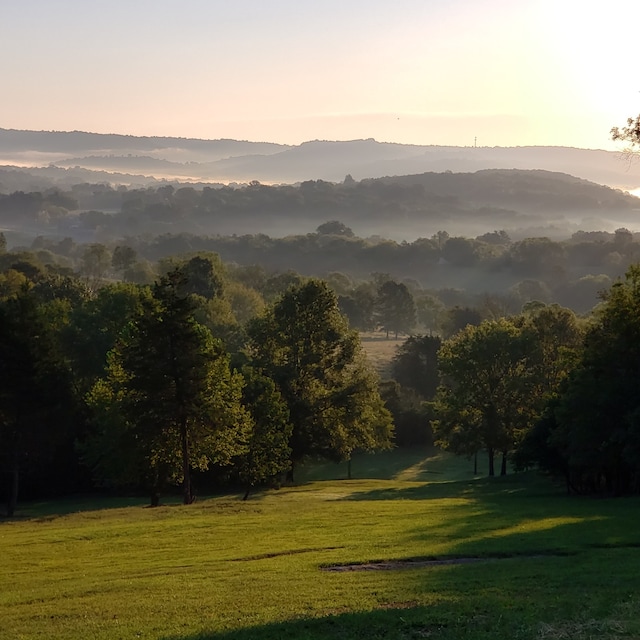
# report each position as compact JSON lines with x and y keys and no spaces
{"x":538,"y":564}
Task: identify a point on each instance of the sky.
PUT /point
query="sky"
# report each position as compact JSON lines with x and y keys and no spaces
{"x":441,"y":72}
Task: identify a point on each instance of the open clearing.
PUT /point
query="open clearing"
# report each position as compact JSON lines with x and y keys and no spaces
{"x":545,"y":566}
{"x":381,"y":350}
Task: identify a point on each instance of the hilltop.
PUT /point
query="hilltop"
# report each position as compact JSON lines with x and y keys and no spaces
{"x":228,"y":161}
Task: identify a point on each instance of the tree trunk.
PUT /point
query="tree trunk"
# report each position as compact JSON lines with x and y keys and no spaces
{"x":491,"y":468}
{"x":12,"y":501}
{"x":503,"y":467}
{"x":246,"y":493}
{"x":475,"y":463}
{"x":289,"y":477}
{"x":154,"y":489}
{"x":349,"y":469}
{"x":187,"y":496}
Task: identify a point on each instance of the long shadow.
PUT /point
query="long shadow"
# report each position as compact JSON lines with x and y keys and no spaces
{"x":51,"y":509}
{"x":405,"y":622}
{"x":384,"y":466}
{"x":510,"y":595}
{"x":527,"y":598}
{"x":526,"y":484}
{"x":516,"y":515}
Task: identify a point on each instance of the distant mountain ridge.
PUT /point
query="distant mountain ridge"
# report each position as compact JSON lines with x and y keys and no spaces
{"x":82,"y":141}
{"x":243,"y":161}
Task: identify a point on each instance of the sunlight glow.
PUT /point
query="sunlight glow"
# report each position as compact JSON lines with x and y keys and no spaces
{"x":533,"y":72}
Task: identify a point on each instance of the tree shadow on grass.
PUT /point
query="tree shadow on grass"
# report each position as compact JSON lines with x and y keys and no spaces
{"x":51,"y":509}
{"x":516,"y":515}
{"x":506,"y":609}
{"x":526,"y":484}
{"x":402,"y":621}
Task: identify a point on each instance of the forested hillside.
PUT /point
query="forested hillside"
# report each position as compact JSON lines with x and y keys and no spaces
{"x":122,"y":374}
{"x":140,"y":353}
{"x":524,"y":203}
{"x":242,"y":161}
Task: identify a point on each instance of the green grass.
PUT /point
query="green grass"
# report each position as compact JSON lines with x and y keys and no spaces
{"x":556,"y":567}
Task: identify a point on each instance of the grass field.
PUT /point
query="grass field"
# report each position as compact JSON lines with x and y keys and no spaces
{"x":546,"y":566}
{"x":380,"y":351}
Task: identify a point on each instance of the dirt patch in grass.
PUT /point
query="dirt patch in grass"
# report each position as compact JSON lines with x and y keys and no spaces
{"x":604,"y":629}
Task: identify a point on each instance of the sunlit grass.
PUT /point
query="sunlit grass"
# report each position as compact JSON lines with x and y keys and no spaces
{"x":226,"y":568}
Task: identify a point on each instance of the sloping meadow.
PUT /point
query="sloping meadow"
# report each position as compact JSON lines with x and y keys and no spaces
{"x":413,"y":547}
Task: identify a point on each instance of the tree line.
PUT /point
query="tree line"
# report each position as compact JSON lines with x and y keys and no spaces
{"x":131,"y":385}
{"x":122,"y":385}
{"x":497,"y":194}
{"x":570,"y":272}
{"x":541,"y":389}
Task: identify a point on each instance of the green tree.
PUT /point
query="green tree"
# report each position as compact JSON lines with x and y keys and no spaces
{"x":556,"y":337}
{"x":359,"y":307}
{"x":415,"y":364}
{"x":303,"y":343}
{"x":459,"y":318}
{"x":395,"y":308}
{"x":36,"y":399}
{"x":536,"y":256}
{"x":204,"y":276}
{"x":430,"y":313}
{"x":123,"y":259}
{"x":461,"y":252}
{"x":11,"y":282}
{"x":174,"y":389}
{"x":334,"y":228}
{"x":488,"y":395}
{"x":96,"y":261}
{"x":594,"y":427}
{"x":246,"y":303}
{"x":268,"y":453}
{"x":411,"y":415}
{"x":96,"y":325}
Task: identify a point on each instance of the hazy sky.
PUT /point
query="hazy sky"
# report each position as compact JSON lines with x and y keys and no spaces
{"x":509,"y":72}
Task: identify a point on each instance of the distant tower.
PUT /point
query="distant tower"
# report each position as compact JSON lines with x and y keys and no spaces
{"x":475,"y":142}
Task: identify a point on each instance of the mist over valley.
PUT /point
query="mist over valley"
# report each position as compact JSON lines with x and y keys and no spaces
{"x":401,"y":192}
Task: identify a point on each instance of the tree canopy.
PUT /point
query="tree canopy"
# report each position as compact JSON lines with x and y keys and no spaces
{"x":179,"y":402}
{"x":304,"y":344}
{"x":591,"y":433}
{"x":487,"y":396}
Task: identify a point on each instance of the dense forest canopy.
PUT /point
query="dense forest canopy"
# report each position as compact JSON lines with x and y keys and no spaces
{"x":403,"y":207}
{"x":216,"y":373}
